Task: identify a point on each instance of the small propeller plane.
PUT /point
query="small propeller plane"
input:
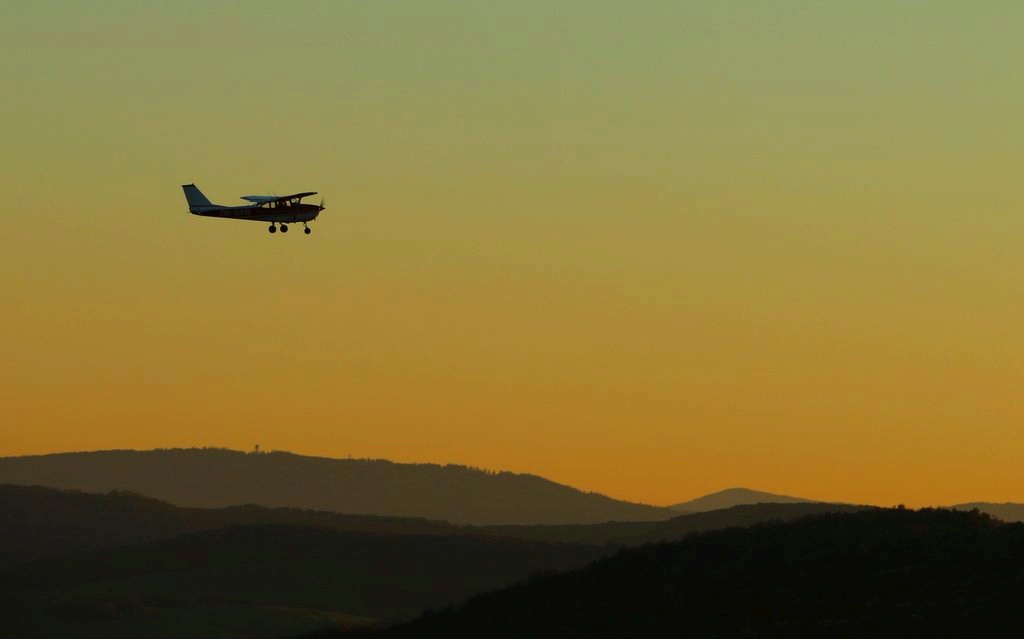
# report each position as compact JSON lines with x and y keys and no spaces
{"x":275,"y":209}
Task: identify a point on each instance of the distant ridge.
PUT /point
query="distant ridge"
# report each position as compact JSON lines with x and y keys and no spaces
{"x":215,"y":478}
{"x":735,"y":497}
{"x":631,"y":533}
{"x":1008,"y":512}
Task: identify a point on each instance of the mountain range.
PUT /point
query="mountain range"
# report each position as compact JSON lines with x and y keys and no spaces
{"x":38,"y":522}
{"x":218,"y":478}
{"x":122,"y":563}
{"x":734,"y":497}
{"x":213,"y":478}
{"x":76,"y":565}
{"x":875,"y":573}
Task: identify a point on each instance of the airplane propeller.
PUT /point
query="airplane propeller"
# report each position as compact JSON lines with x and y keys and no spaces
{"x":322,"y":207}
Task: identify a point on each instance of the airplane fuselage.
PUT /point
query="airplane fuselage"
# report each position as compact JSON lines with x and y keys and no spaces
{"x":282,"y":214}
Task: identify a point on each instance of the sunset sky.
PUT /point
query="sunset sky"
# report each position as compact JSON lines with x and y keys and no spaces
{"x":650,"y":249}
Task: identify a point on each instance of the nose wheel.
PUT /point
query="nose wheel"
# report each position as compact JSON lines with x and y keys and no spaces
{"x":306,"y":230}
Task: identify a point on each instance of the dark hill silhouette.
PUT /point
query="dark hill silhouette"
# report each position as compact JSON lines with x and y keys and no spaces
{"x":876,"y":573}
{"x":631,"y":533}
{"x":38,"y":522}
{"x":734,"y":497}
{"x":1009,"y":511}
{"x":225,"y":582}
{"x":215,"y":478}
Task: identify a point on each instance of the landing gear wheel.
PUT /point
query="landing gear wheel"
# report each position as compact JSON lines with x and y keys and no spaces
{"x":284,"y":228}
{"x":308,"y":230}
{"x":272,"y":228}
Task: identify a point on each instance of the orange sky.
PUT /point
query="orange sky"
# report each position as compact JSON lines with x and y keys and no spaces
{"x":652,"y":253}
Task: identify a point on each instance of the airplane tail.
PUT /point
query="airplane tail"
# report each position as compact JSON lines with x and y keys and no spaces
{"x":195,"y":197}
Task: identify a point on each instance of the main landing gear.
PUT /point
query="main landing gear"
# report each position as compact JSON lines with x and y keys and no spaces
{"x":284,"y":228}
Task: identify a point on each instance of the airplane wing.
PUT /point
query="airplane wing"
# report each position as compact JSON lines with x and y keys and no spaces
{"x":266,"y":199}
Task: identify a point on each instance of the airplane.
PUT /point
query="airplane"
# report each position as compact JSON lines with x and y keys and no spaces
{"x":262,"y":208}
